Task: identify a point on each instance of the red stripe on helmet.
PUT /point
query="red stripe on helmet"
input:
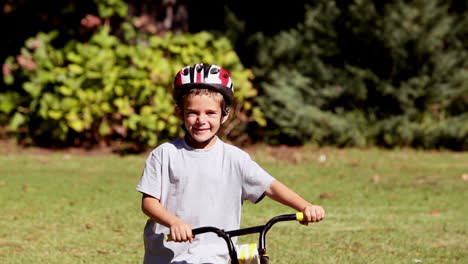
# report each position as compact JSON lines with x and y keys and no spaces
{"x":178,"y":80}
{"x":224,"y":77}
{"x":198,"y":77}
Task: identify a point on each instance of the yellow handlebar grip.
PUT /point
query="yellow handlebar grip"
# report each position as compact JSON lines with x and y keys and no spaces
{"x":299,"y":216}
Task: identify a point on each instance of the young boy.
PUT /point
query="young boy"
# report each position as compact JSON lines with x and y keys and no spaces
{"x":199,"y":180}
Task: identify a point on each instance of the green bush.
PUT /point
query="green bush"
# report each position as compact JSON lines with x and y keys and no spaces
{"x":107,"y":90}
{"x":392,"y":73}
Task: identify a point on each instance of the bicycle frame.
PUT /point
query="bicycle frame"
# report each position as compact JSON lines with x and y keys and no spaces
{"x":262,"y":230}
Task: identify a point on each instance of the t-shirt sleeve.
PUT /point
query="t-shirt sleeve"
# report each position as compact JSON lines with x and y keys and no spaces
{"x":150,"y":181}
{"x":255,"y":181}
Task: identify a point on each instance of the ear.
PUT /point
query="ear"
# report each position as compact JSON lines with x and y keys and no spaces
{"x":179,"y":112}
{"x":225,"y":118}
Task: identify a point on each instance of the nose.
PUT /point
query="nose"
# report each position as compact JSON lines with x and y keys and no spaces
{"x":201,"y":119}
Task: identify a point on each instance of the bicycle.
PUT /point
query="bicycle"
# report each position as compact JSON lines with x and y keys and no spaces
{"x":260,"y":256}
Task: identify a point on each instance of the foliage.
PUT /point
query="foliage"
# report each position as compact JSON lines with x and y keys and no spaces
{"x":392,"y":73}
{"x":108,"y":89}
{"x":347,"y":73}
{"x":110,"y":8}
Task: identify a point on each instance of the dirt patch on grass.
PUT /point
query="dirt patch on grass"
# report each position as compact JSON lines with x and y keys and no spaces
{"x":290,"y":154}
{"x":9,"y":147}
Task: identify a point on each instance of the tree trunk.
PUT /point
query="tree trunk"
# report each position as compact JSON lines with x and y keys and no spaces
{"x":158,"y":17}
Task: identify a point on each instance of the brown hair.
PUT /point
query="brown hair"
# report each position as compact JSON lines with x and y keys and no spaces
{"x":218,"y":97}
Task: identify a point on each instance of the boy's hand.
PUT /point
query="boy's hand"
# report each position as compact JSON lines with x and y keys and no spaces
{"x":181,"y":231}
{"x":313,"y":213}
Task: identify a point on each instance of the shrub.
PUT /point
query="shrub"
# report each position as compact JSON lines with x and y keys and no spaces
{"x":108,"y":90}
{"x":393,"y":73}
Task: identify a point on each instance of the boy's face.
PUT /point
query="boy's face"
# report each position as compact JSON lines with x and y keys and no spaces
{"x":202,"y":116}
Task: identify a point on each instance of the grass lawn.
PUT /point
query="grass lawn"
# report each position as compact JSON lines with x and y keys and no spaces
{"x":382,"y":207}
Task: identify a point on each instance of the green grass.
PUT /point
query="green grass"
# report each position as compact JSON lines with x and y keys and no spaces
{"x":382,"y":207}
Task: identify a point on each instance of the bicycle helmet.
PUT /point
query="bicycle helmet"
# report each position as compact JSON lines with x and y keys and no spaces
{"x":201,"y":76}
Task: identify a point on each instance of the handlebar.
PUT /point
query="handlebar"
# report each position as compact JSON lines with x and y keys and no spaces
{"x":262,"y":229}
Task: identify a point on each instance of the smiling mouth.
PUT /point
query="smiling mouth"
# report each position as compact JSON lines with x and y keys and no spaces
{"x":201,"y":130}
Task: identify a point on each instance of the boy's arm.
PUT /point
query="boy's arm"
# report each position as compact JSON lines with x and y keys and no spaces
{"x":283,"y":194}
{"x":180,"y":231}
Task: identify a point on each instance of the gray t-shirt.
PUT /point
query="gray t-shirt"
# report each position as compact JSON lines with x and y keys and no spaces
{"x":203,"y":187}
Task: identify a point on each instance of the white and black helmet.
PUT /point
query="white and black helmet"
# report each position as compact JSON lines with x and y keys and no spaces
{"x":207,"y":76}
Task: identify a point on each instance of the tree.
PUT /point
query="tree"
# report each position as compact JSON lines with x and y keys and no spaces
{"x":392,"y":73}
